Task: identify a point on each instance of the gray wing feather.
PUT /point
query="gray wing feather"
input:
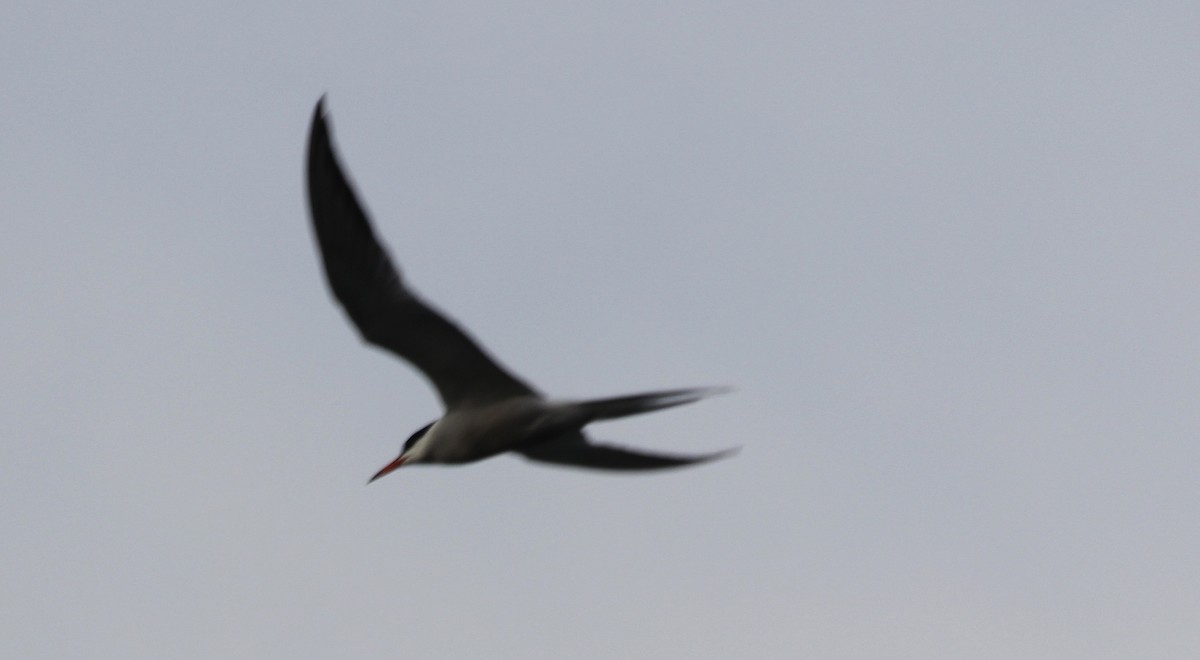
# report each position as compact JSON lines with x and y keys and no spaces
{"x":371,"y":290}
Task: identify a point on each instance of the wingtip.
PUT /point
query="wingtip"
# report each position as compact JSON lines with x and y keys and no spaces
{"x":726,"y":453}
{"x":319,"y":130}
{"x":697,"y":393}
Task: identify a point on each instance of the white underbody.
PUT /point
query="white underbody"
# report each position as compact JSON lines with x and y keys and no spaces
{"x":471,"y":434}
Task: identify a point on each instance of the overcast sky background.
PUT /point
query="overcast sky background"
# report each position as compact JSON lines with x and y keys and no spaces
{"x":946,"y":253}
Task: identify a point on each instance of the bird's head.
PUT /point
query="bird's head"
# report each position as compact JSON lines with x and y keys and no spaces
{"x":413,"y":452}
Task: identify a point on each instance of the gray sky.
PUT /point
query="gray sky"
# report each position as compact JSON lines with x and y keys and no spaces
{"x":946,"y":253}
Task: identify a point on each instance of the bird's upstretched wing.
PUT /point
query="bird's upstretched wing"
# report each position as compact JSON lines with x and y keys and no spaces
{"x":371,"y":290}
{"x":576,"y":450}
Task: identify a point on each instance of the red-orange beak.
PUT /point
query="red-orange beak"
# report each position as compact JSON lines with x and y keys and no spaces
{"x":400,"y":460}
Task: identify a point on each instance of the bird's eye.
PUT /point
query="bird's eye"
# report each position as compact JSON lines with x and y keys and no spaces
{"x":416,"y":436}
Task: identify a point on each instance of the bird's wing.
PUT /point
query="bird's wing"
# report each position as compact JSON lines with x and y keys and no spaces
{"x":576,"y":450}
{"x":371,"y":290}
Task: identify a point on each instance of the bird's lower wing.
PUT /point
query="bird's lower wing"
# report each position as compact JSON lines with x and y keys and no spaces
{"x":576,"y":450}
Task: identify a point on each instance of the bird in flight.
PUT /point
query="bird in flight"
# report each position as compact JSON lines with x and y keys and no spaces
{"x":488,"y":410}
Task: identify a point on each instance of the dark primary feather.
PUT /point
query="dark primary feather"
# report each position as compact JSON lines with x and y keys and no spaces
{"x":578,"y":451}
{"x":371,"y":290}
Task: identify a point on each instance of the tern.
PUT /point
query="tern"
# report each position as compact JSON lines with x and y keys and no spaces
{"x":488,"y":410}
